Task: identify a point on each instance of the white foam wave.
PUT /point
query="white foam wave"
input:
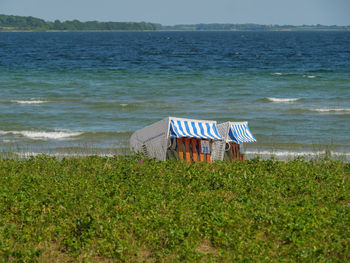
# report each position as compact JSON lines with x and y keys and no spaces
{"x":283,"y":99}
{"x":295,"y":154}
{"x":330,"y":110}
{"x":42,"y":134}
{"x":277,"y":74}
{"x":29,"y":101}
{"x":310,"y":76}
{"x":8,"y":141}
{"x":266,"y":154}
{"x":60,"y":155}
{"x":123,"y":104}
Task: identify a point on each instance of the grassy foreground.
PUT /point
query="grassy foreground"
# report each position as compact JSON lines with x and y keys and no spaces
{"x":124,"y":209}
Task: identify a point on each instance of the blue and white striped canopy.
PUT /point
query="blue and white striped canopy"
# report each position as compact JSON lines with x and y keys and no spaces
{"x":194,"y":129}
{"x":239,"y":132}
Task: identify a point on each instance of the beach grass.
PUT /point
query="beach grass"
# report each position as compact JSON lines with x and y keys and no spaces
{"x":130,"y":209}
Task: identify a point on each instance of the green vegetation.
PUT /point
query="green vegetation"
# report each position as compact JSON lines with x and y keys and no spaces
{"x":10,"y":23}
{"x":126,"y":209}
{"x":28,"y":23}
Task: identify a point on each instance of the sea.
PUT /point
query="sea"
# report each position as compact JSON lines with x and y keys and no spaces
{"x":85,"y":93}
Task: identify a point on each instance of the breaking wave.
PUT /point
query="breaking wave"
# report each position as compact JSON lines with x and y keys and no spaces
{"x":29,"y":101}
{"x":281,"y":100}
{"x":310,"y":76}
{"x":332,"y":110}
{"x":295,"y":154}
{"x":61,"y":155}
{"x":35,"y":135}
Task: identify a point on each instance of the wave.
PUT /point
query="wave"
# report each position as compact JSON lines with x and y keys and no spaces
{"x":330,"y":110}
{"x":310,"y":76}
{"x":62,"y":155}
{"x":32,"y":101}
{"x":282,"y":99}
{"x":295,"y":154}
{"x":37,"y":135}
{"x":265,"y":154}
{"x":285,"y":74}
{"x":8,"y":141}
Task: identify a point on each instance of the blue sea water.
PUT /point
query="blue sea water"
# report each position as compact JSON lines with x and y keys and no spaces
{"x":86,"y":92}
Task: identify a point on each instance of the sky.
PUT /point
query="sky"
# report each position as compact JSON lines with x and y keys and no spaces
{"x":173,"y":12}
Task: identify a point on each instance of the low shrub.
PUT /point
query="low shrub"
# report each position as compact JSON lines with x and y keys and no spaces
{"x":125,"y":209}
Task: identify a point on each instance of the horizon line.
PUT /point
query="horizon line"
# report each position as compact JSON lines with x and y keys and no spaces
{"x":184,"y":24}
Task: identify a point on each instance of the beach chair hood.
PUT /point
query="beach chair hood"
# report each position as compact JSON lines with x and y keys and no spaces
{"x":239,"y":132}
{"x":185,"y":128}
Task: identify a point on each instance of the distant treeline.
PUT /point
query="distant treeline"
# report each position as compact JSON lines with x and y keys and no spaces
{"x":216,"y":26}
{"x":253,"y":27}
{"x":9,"y":22}
{"x":29,"y":23}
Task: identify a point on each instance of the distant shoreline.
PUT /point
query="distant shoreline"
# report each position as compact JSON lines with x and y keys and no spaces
{"x":97,"y":31}
{"x":11,"y":23}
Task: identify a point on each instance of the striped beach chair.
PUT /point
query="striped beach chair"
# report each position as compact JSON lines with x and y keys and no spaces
{"x":186,"y":139}
{"x":234,"y":134}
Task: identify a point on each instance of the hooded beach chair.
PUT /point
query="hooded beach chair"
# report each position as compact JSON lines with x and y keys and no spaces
{"x":185,"y":139}
{"x":234,"y":134}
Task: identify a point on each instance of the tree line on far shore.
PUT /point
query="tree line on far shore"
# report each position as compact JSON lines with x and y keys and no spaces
{"x":9,"y":22}
{"x":29,"y":23}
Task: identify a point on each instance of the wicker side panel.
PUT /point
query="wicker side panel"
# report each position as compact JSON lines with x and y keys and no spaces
{"x":219,"y":146}
{"x":151,"y":140}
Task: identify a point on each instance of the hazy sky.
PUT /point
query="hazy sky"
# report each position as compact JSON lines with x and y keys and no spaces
{"x":170,"y":12}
